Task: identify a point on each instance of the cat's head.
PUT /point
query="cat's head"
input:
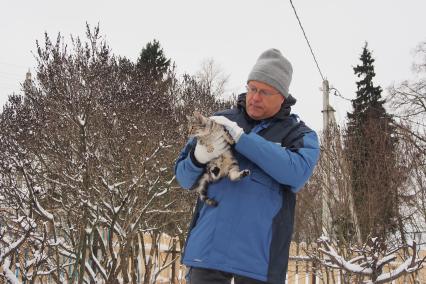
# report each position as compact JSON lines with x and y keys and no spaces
{"x":198,"y":125}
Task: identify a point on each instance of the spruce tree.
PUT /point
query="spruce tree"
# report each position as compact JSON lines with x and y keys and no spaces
{"x":152,"y":61}
{"x":155,"y":78}
{"x":370,"y":150}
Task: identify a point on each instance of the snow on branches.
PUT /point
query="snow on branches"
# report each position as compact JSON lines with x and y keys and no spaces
{"x":374,"y":262}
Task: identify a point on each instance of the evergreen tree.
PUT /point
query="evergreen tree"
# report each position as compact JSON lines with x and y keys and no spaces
{"x":152,"y":61}
{"x":370,"y":148}
{"x":368,"y":97}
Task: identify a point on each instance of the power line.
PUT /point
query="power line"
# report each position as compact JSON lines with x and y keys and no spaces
{"x":304,"y":34}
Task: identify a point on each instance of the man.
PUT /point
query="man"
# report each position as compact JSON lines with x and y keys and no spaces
{"x":247,"y":236}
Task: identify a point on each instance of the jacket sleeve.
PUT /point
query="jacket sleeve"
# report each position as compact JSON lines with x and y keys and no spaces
{"x":187,"y":169}
{"x":289,"y":166}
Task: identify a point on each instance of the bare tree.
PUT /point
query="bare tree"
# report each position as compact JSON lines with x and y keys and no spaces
{"x":212,"y":78}
{"x":371,"y":262}
{"x":408,"y":102}
{"x":88,"y":154}
{"x":91,"y":145}
{"x":332,"y":175}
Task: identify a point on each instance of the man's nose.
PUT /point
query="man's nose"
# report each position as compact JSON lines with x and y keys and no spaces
{"x":257,"y":96}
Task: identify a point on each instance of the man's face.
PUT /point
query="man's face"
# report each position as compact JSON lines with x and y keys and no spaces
{"x":262,"y":101}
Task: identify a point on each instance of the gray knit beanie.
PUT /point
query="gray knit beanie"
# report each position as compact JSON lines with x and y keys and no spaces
{"x":273,"y":69}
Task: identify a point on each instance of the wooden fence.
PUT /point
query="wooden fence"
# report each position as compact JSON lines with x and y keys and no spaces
{"x":301,"y":269}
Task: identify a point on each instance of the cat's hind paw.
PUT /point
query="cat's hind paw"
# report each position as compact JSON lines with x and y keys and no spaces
{"x":245,"y":173}
{"x":211,"y":202}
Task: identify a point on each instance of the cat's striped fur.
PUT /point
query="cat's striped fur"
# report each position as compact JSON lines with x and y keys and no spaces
{"x":204,"y":129}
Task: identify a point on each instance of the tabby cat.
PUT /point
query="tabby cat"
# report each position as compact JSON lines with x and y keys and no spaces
{"x":204,"y":130}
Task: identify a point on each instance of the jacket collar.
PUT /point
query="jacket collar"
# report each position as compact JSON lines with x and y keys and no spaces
{"x":282,"y":113}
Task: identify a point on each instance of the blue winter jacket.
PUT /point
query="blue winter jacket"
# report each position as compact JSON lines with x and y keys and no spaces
{"x":249,"y":232}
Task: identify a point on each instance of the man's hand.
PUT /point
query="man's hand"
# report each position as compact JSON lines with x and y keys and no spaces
{"x":232,"y":127}
{"x":206,"y":153}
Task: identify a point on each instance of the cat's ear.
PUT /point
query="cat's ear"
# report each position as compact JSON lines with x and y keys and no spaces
{"x":198,"y":116}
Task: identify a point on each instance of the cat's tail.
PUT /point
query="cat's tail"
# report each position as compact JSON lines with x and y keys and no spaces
{"x":201,"y":188}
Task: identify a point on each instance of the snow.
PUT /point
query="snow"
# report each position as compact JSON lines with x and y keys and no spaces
{"x":117,"y":208}
{"x":90,"y":270}
{"x":99,"y":266}
{"x":389,"y":276}
{"x":26,"y":223}
{"x":341,"y":262}
{"x":169,"y":182}
{"x":372,"y":265}
{"x":88,"y":230}
{"x":11,"y":247}
{"x":164,"y":191}
{"x":81,"y":120}
{"x":8,"y":273}
{"x":386,"y":259}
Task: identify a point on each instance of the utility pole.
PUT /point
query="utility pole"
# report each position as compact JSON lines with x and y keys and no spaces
{"x":28,"y":76}
{"x":328,"y":122}
{"x":328,"y":117}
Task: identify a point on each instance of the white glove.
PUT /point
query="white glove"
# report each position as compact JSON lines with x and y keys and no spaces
{"x":206,"y":153}
{"x":232,"y":127}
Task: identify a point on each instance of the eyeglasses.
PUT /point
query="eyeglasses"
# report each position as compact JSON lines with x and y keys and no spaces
{"x":253,"y":90}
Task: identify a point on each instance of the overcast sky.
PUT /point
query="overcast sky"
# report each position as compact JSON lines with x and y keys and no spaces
{"x":233,"y":33}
